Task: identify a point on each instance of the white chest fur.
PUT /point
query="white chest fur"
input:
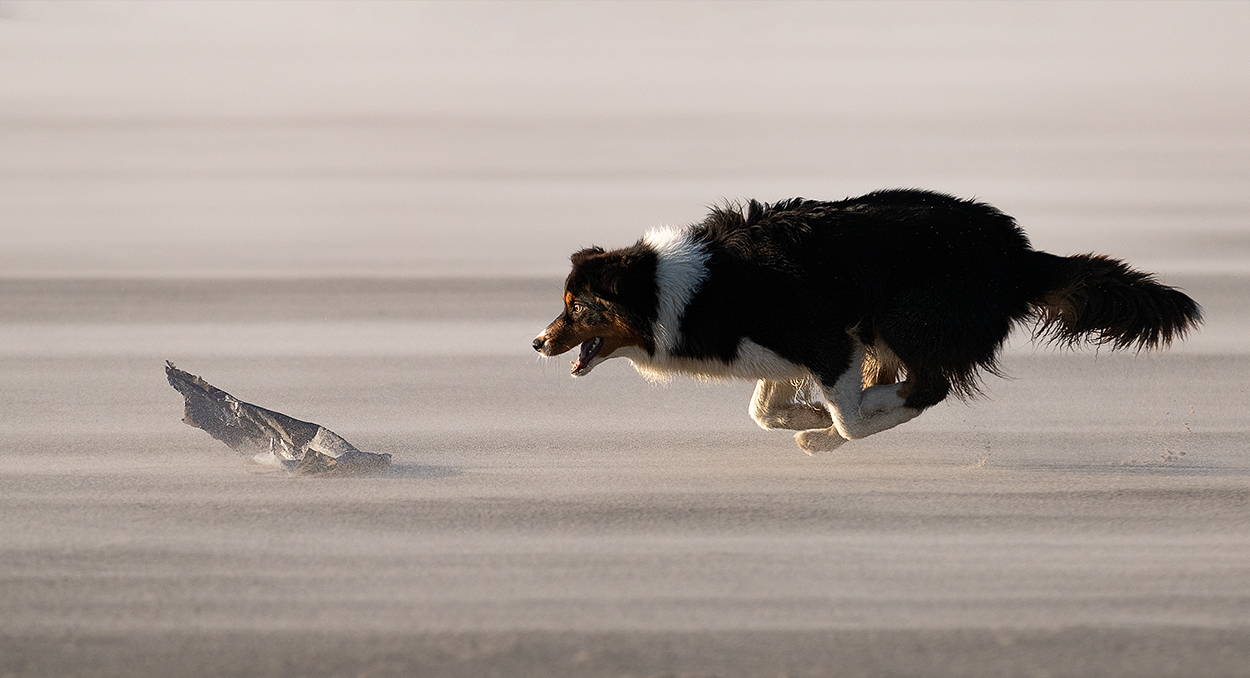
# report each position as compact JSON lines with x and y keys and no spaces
{"x":681,"y":269}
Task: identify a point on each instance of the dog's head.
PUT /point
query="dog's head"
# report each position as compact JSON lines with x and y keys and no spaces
{"x":610,"y":302}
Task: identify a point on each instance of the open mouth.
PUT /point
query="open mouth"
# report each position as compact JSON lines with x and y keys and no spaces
{"x":590,"y":349}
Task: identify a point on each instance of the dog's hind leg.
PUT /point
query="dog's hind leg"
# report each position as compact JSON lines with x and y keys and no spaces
{"x":777,"y":404}
{"x":881,"y":366}
{"x":858,"y":412}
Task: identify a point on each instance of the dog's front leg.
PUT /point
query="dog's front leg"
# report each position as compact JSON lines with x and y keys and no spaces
{"x":775,"y":404}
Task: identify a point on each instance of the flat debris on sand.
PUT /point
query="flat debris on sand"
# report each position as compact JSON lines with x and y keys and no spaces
{"x":268,"y":437}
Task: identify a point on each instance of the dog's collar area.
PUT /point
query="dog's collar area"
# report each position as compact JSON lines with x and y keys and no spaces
{"x":590,"y":349}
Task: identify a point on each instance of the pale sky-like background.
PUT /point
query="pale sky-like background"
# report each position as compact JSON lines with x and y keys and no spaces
{"x":492,"y":138}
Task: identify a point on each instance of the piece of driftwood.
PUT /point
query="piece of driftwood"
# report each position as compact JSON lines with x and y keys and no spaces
{"x":268,"y":437}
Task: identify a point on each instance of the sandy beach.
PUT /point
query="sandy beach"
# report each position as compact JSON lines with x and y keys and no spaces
{"x":1088,"y":518}
{"x":360,"y":214}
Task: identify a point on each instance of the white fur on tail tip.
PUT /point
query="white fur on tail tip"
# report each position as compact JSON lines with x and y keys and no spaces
{"x":681,"y":269}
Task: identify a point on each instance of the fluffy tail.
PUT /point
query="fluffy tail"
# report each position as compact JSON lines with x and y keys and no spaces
{"x":1097,"y":299}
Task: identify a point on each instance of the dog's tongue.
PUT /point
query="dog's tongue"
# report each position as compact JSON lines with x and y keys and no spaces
{"x":590,"y":349}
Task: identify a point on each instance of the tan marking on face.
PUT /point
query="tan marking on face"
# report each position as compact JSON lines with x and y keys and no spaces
{"x":561,"y":336}
{"x":617,"y":334}
{"x":564,"y":335}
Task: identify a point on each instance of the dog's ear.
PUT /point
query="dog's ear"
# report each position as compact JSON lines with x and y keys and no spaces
{"x":588,"y":265}
{"x":622,"y":276}
{"x":625,"y":276}
{"x":630,"y":278}
{"x":587,"y":270}
{"x":581,"y":256}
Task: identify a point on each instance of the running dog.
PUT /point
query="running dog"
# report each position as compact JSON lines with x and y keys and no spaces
{"x":854,"y":316}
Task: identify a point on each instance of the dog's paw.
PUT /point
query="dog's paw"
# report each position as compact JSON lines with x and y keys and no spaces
{"x":804,"y":418}
{"x":818,"y":440}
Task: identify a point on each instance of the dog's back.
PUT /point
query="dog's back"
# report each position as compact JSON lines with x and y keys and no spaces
{"x":934,"y":282}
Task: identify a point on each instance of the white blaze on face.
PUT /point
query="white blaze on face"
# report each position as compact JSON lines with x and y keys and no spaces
{"x":681,"y":269}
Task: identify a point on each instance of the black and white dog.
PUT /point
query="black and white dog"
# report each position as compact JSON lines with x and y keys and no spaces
{"x":879,"y":306}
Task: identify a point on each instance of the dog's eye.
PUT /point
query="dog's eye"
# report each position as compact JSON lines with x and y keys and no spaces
{"x":578,"y":307}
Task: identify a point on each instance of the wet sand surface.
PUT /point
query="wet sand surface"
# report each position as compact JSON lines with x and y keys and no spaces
{"x":1090,"y":517}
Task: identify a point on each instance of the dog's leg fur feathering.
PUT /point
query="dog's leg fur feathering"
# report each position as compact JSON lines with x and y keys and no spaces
{"x":777,"y":405}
